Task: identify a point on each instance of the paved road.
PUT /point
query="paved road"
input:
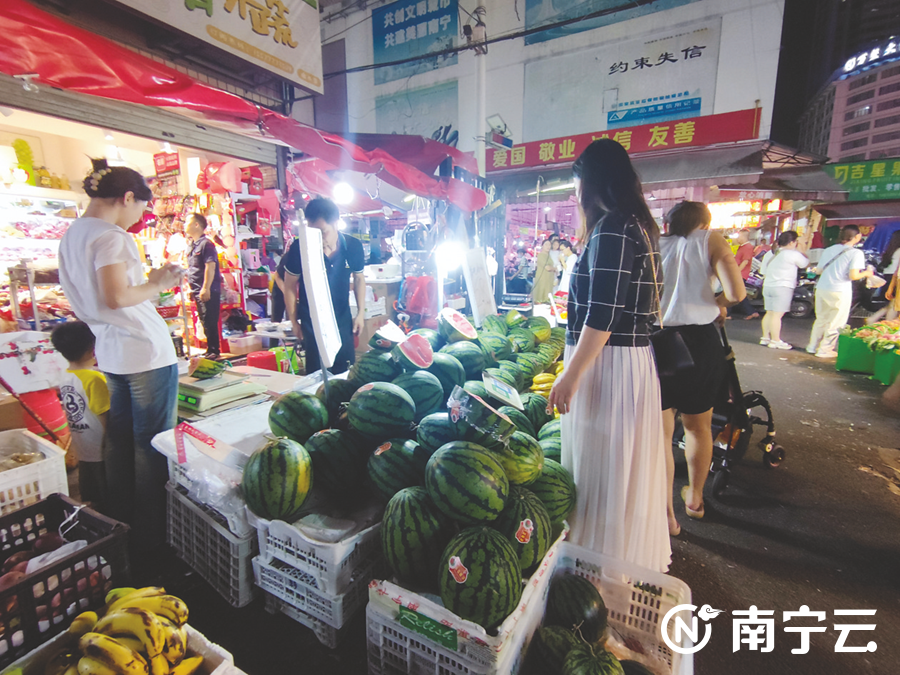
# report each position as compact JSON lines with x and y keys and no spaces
{"x":821,"y":530}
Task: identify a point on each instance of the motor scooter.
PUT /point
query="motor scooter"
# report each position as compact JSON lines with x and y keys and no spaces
{"x":802,"y":304}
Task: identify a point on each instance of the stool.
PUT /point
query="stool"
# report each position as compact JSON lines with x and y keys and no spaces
{"x":264,"y":360}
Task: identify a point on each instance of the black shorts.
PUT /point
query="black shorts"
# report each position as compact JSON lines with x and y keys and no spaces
{"x":695,"y":390}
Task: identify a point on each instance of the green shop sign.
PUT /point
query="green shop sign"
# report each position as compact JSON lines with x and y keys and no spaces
{"x":866,"y":181}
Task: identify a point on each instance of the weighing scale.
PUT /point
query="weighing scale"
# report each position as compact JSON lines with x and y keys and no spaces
{"x":200,"y":395}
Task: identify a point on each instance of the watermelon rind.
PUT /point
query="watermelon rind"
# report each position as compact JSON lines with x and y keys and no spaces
{"x":556,"y":488}
{"x":454,"y":326}
{"x":376,"y":365}
{"x":526,"y":523}
{"x":586,"y":659}
{"x":573,"y":603}
{"x":414,"y":534}
{"x":277,"y":479}
{"x":425,"y":390}
{"x":414,"y":353}
{"x":396,"y":464}
{"x":387,"y":337}
{"x":479,"y":577}
{"x":467,"y":483}
{"x":381,"y":410}
{"x":434,"y":338}
{"x":297,"y":415}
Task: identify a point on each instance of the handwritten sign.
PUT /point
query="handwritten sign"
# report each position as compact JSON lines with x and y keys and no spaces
{"x":433,"y":630}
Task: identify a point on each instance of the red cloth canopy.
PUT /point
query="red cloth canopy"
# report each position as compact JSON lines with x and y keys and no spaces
{"x":60,"y":55}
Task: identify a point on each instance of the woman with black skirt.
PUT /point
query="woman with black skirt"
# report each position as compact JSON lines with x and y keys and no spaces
{"x":694,"y":259}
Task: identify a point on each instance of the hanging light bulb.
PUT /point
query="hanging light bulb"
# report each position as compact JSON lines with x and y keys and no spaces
{"x":343,"y":194}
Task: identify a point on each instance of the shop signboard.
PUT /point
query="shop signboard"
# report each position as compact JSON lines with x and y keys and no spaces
{"x":409,"y":28}
{"x":725,"y":128}
{"x":166,"y":164}
{"x":279,"y":35}
{"x":660,"y":76}
{"x":867,"y":181}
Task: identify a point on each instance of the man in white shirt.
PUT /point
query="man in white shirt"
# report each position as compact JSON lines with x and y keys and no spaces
{"x":839,"y":266}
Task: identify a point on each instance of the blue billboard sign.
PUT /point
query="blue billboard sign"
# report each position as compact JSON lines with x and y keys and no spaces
{"x":410,"y":28}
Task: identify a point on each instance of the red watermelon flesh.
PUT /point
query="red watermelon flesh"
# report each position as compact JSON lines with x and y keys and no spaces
{"x":414,"y":352}
{"x":454,"y":326}
{"x":388,"y":336}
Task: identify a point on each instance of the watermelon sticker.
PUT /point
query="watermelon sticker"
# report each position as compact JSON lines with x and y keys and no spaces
{"x":383,"y":344}
{"x":366,"y":387}
{"x":523,"y":534}
{"x":384,"y":447}
{"x":458,"y":570}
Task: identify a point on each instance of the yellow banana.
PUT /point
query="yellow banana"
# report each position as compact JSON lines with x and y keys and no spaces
{"x":117,"y":593}
{"x":60,"y":662}
{"x":132,"y":643}
{"x":176,"y":641}
{"x":72,"y":670}
{"x":83,"y":623}
{"x":545,"y":378}
{"x":89,"y":666}
{"x":187,"y":667}
{"x":112,"y":654}
{"x":148,"y":592}
{"x":560,"y":367}
{"x":134,"y":622}
{"x":168,"y":606}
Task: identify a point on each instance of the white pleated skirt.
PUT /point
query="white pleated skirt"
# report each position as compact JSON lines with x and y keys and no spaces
{"x":613,"y":443}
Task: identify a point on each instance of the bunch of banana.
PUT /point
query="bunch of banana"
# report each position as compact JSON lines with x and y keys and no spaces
{"x":543,"y":383}
{"x":139,"y":632}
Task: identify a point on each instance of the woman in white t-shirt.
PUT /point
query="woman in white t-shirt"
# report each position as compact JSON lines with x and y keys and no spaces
{"x":100,"y":272}
{"x":779,"y":270}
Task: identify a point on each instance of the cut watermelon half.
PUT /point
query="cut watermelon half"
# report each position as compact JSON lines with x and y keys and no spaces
{"x":454,"y":326}
{"x":387,"y":337}
{"x":414,"y":353}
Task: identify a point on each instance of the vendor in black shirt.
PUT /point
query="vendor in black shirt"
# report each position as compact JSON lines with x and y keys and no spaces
{"x":205,"y":280}
{"x":343,"y":256}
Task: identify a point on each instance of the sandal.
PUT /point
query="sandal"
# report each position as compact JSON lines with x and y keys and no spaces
{"x":699,"y":513}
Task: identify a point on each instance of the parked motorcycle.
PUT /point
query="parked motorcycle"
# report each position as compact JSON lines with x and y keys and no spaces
{"x":802,"y":305}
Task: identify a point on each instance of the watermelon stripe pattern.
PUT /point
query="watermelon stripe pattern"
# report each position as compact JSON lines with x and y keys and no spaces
{"x":297,"y":415}
{"x":394,"y":465}
{"x":424,"y":389}
{"x":414,"y":534}
{"x":467,"y":483}
{"x":434,"y":431}
{"x":276,"y":480}
{"x":526,"y":523}
{"x":556,"y":488}
{"x":522,"y":458}
{"x":449,"y":371}
{"x":381,"y":410}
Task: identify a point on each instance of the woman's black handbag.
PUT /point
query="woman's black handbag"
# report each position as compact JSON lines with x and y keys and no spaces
{"x":671,"y":352}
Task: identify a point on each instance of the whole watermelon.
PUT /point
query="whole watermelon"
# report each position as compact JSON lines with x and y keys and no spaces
{"x":297,"y":415}
{"x":516,"y":371}
{"x":469,"y":355}
{"x":504,"y":376}
{"x":549,"y":648}
{"x":574,"y":602}
{"x":424,"y":389}
{"x":514,"y":318}
{"x":536,"y":409}
{"x":381,"y":410}
{"x":477,"y":387}
{"x":540,"y":328}
{"x":276,"y":480}
{"x":434,"y":431}
{"x":414,"y":534}
{"x":590,"y":660}
{"x":526,"y":523}
{"x":449,"y":371}
{"x":494,"y":324}
{"x":338,"y":462}
{"x":496,"y":347}
{"x":479,"y":577}
{"x":552,"y":448}
{"x":518,"y":418}
{"x":550,"y":430}
{"x":339,"y":392}
{"x":556,"y":488}
{"x":376,"y":365}
{"x":467,"y":483}
{"x":523,"y":339}
{"x":522,"y":458}
{"x":396,"y":464}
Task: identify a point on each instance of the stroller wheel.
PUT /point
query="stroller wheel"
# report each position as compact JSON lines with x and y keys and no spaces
{"x":773,"y":456}
{"x":719,"y":482}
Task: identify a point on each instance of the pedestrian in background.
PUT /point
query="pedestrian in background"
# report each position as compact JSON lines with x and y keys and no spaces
{"x":744,"y":259}
{"x":890,"y":261}
{"x":568,"y":260}
{"x":544,"y":275}
{"x":839,"y":266}
{"x":205,"y":281}
{"x":779,"y":270}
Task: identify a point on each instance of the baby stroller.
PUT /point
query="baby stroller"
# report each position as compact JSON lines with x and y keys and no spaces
{"x":732,"y":426}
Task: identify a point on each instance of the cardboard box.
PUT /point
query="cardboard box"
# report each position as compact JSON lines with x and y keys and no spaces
{"x":11,"y":413}
{"x":369,"y":328}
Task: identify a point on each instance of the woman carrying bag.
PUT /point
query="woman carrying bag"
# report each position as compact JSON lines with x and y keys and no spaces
{"x":608,"y":394}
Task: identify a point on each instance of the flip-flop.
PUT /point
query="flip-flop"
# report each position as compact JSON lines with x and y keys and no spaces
{"x":699,"y":513}
{"x":676,"y":532}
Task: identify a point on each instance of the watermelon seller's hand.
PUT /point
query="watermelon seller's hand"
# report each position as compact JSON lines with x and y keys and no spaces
{"x":359,"y":322}
{"x":563,"y":391}
{"x":297,"y":330}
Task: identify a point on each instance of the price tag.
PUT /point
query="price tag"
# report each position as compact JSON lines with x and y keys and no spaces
{"x":502,"y":391}
{"x":209,"y":446}
{"x":433,"y":630}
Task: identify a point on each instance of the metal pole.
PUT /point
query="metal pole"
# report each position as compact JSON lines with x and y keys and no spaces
{"x":481,"y":96}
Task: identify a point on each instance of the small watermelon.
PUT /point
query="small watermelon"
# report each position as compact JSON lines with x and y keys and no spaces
{"x":434,"y":338}
{"x":276,"y":480}
{"x":573,"y":602}
{"x":376,"y":365}
{"x":467,"y":483}
{"x":536,"y":409}
{"x":339,"y":392}
{"x":381,"y":410}
{"x":552,"y":448}
{"x":449,"y":371}
{"x":414,"y":353}
{"x":436,"y":430}
{"x":587,"y":659}
{"x":518,"y":418}
{"x":550,"y":430}
{"x":549,"y":649}
{"x":424,"y":389}
{"x":387,"y":337}
{"x":337,"y":461}
{"x":556,"y":489}
{"x":526,"y":523}
{"x":514,"y":318}
{"x":414,"y":534}
{"x":469,"y":355}
{"x":494,"y":324}
{"x":297,"y":415}
{"x":480,"y":579}
{"x":454,"y":326}
{"x":394,"y":465}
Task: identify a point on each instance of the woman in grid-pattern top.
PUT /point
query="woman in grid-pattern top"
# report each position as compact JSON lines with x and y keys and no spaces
{"x":608,"y":394}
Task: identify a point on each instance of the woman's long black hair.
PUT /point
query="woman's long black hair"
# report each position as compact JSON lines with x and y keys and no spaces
{"x":609,"y":184}
{"x":112,"y":182}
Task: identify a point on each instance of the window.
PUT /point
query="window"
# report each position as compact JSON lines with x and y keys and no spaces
{"x":863,"y":81}
{"x":859,"y":112}
{"x":890,"y":72}
{"x":886,"y":152}
{"x":858,"y":143}
{"x":853,"y":158}
{"x":889,"y":105}
{"x":856,"y":128}
{"x":887,"y":121}
{"x":884,"y":138}
{"x":889,"y":88}
{"x":864,"y":96}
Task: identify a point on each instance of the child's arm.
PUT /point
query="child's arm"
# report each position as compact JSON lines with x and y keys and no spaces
{"x":103,"y":417}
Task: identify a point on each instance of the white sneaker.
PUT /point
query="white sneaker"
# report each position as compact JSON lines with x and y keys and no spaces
{"x":810,"y":350}
{"x":827,"y":355}
{"x":764,"y":341}
{"x":780,"y":344}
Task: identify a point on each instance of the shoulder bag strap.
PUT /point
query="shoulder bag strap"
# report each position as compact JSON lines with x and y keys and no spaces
{"x":655,"y":280}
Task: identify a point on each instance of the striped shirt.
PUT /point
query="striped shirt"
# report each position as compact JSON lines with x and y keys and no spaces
{"x":611,"y":288}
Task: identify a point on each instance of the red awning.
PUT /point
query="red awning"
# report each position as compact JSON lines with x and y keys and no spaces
{"x":57,"y":54}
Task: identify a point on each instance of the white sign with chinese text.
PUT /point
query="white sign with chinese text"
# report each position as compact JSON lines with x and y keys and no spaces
{"x":653,"y":78}
{"x":279,"y":35}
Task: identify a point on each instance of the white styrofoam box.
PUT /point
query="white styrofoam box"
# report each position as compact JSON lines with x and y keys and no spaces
{"x":216,"y":660}
{"x":392,"y":644}
{"x":31,"y":483}
{"x":330,"y":566}
{"x":385,"y":271}
{"x":376,"y":308}
{"x":245,"y":344}
{"x":328,"y":635}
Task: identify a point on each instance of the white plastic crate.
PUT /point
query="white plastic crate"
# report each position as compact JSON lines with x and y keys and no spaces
{"x":296,"y":588}
{"x":32,"y":482}
{"x":396,"y":648}
{"x":329,"y":636}
{"x":200,"y":538}
{"x":330,"y":567}
{"x":637,"y":600}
